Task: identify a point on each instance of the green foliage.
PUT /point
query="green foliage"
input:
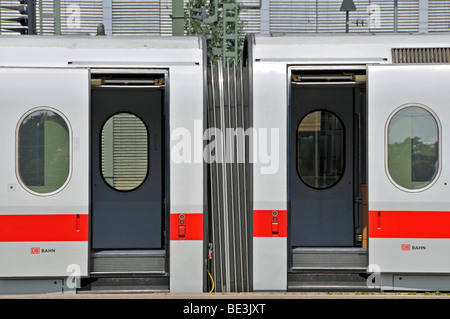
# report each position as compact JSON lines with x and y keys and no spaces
{"x":213,"y":31}
{"x":412,"y":163}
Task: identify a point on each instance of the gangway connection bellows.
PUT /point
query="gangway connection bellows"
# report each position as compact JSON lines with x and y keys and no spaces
{"x":229,"y":217}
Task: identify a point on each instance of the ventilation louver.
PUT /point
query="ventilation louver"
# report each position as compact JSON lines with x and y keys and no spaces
{"x":421,"y":55}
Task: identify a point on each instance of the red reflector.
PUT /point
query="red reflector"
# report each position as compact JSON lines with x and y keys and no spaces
{"x":275,"y":228}
{"x":181,"y":231}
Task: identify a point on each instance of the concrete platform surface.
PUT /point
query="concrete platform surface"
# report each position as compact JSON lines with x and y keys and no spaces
{"x":242,"y":296}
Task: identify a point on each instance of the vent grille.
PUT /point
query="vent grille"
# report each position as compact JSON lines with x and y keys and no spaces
{"x":421,"y":55}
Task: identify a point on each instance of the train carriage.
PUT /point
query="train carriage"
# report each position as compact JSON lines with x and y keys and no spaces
{"x":90,"y":187}
{"x":110,"y":170}
{"x":362,"y":179}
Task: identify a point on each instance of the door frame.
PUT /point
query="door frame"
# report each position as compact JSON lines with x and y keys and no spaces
{"x":355,"y":255}
{"x":164,"y":72}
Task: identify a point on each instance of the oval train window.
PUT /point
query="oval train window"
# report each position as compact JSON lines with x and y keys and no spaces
{"x":43,"y":151}
{"x":413,"y":147}
{"x":124,"y":151}
{"x":320,"y":149}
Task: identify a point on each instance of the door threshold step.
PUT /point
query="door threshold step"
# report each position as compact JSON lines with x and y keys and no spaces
{"x":325,"y":287}
{"x":329,"y":269}
{"x":329,"y":258}
{"x":131,"y":274}
{"x":128,"y":252}
{"x":117,"y":262}
{"x":329,"y":282}
{"x":125,"y":284}
{"x":122,"y":291}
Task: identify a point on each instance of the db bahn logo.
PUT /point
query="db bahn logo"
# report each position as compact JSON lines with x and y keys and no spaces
{"x":408,"y":247}
{"x":38,"y":250}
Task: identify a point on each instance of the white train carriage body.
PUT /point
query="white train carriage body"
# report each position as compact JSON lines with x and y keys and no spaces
{"x":353,"y":113}
{"x":75,"y":201}
{"x":348,"y":160}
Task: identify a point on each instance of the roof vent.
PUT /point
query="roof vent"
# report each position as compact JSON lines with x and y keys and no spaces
{"x":420,"y":55}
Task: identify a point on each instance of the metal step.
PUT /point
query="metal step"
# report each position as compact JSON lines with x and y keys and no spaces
{"x":124,"y":285}
{"x":329,"y":258}
{"x":328,"y":282}
{"x":123,"y":262}
{"x":123,"y":271}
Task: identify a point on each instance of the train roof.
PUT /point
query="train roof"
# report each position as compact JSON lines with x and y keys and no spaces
{"x":47,"y":51}
{"x":340,"y":48}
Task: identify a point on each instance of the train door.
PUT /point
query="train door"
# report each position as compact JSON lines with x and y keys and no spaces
{"x":127,"y":165}
{"x":408,"y":178}
{"x":324,"y":163}
{"x":44,"y":206}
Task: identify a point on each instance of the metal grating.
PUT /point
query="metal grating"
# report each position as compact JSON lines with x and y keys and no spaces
{"x":136,"y":17}
{"x":438,"y":15}
{"x":45,"y":25}
{"x":81,"y":16}
{"x":287,"y":16}
{"x":8,"y":14}
{"x":420,"y":55}
{"x":165,"y":21}
{"x":251,"y":19}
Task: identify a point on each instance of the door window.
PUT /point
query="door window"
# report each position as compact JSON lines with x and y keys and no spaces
{"x":320,"y":149}
{"x":413,"y":147}
{"x":43,"y":151}
{"x":124,"y":151}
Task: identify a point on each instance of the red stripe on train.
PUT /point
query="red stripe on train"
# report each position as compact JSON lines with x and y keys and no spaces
{"x":269,"y":223}
{"x":409,"y":224}
{"x":62,"y":227}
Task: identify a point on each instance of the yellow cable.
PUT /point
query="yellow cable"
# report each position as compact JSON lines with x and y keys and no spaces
{"x":212,"y":281}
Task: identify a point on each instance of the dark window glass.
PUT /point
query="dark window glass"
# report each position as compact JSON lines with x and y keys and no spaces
{"x":320,"y":149}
